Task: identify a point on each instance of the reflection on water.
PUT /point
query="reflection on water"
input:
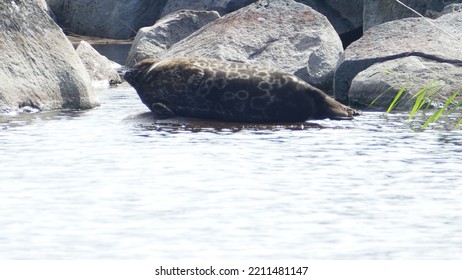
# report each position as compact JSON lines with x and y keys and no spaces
{"x":115,"y":183}
{"x":175,"y":125}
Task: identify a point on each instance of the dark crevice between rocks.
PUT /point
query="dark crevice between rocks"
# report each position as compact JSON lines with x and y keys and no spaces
{"x":351,"y":36}
{"x":234,"y":6}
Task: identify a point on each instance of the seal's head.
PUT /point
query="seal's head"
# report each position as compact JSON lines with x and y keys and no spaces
{"x":136,"y":75}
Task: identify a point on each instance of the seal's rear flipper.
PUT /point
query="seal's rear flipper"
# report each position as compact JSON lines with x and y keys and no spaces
{"x":335,"y":110}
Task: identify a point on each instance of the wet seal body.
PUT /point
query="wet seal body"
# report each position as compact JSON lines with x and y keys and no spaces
{"x":220,"y":90}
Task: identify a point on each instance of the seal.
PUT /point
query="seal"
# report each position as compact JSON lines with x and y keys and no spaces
{"x":229,"y":91}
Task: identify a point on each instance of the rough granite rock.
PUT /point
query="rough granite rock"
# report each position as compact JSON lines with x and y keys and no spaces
{"x":44,"y":5}
{"x":106,"y":18}
{"x":380,"y":11}
{"x":154,"y":40}
{"x":39,"y":67}
{"x":412,"y":51}
{"x":99,"y":67}
{"x":451,"y":8}
{"x":278,"y":34}
{"x":221,"y":6}
{"x":380,"y":83}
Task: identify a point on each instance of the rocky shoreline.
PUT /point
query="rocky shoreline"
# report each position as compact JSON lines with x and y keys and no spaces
{"x":305,"y":37}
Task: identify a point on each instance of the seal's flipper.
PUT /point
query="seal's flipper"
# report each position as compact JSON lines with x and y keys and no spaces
{"x":161,"y":110}
{"x":337,"y":111}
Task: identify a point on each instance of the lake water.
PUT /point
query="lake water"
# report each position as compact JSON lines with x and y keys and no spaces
{"x":113,"y":183}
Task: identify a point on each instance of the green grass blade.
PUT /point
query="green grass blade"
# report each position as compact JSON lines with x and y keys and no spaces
{"x":420,"y":100}
{"x":440,"y":111}
{"x":378,"y":97}
{"x":455,"y":107}
{"x":458,"y":124}
{"x":423,"y":98}
{"x":396,"y":99}
{"x":458,"y":105}
{"x":433,"y":91}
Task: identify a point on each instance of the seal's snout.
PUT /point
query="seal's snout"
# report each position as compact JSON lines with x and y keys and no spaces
{"x":130,"y":75}
{"x":138,"y":72}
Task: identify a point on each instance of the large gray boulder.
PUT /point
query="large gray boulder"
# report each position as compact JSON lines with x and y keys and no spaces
{"x":153,"y":40}
{"x":106,"y":18}
{"x":409,"y":52}
{"x":221,"y":6}
{"x":278,"y":34}
{"x":378,"y":85}
{"x":39,"y":67}
{"x":345,"y":16}
{"x":99,"y":67}
{"x":44,"y":5}
{"x":380,"y":11}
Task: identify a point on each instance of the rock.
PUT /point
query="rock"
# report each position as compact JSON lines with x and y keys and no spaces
{"x":98,"y":67}
{"x":39,"y":67}
{"x":106,"y":18}
{"x":451,"y":8}
{"x":345,"y":16}
{"x":44,"y":5}
{"x":379,"y":84}
{"x":154,"y":40}
{"x":221,"y":6}
{"x":380,"y":11}
{"x":278,"y":34}
{"x":414,"y":51}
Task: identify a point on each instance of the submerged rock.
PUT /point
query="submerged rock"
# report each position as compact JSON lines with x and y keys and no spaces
{"x":277,"y":34}
{"x":409,"y":52}
{"x":39,"y":67}
{"x":154,"y":40}
{"x":99,"y":67}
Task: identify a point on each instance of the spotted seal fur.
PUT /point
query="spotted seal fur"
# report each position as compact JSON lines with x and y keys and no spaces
{"x":221,"y":90}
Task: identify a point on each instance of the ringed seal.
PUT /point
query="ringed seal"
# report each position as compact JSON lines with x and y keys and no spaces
{"x":229,"y":91}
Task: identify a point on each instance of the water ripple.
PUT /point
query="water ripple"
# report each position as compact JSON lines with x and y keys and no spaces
{"x":114,"y":183}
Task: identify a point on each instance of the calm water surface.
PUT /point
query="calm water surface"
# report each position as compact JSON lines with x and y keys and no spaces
{"x":113,"y":183}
